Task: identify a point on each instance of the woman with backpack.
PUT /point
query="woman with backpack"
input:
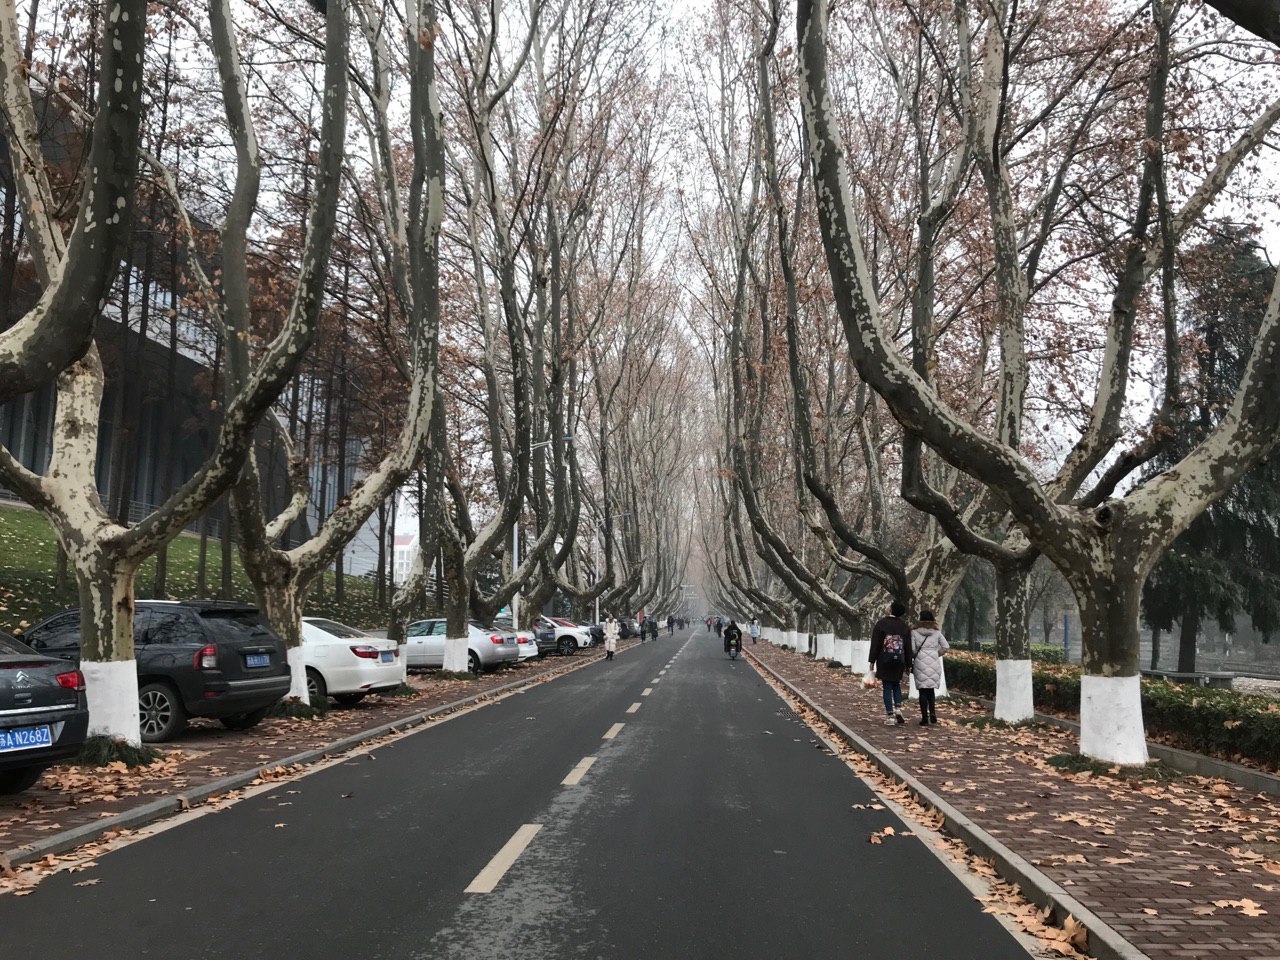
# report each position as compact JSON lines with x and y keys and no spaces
{"x":891,"y":659}
{"x":927,"y":647}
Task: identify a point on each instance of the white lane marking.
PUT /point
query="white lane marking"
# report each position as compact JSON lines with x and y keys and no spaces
{"x":613,"y":731}
{"x":656,"y":680}
{"x":577,"y":773}
{"x":647,"y":691}
{"x":662,"y":673}
{"x":491,"y":875}
{"x":633,"y":708}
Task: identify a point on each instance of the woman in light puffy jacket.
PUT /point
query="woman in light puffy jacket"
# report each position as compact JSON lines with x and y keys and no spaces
{"x":927,"y":647}
{"x":612,"y":630}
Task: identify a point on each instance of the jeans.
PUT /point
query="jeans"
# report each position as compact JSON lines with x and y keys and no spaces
{"x":892,"y":696}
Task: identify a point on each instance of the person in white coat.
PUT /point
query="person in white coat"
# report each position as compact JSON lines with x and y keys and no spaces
{"x":927,"y":648}
{"x":612,"y":630}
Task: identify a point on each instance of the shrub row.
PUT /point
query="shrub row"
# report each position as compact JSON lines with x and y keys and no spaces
{"x":1221,"y":723}
{"x":1040,"y":652}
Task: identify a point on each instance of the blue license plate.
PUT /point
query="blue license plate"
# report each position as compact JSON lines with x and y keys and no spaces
{"x":24,"y":738}
{"x":257,"y":659}
{"x":388,"y":656}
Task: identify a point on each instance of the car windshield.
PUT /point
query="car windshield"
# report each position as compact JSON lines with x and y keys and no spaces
{"x":335,"y":629}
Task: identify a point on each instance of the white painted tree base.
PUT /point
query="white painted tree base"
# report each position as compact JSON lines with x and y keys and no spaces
{"x":843,"y":652}
{"x":455,"y":654}
{"x":403,"y":649}
{"x":859,"y":656}
{"x":802,"y":641}
{"x":297,"y":676}
{"x":1014,"y":701}
{"x":1111,"y":728}
{"x":111,"y":689}
{"x":826,"y":646}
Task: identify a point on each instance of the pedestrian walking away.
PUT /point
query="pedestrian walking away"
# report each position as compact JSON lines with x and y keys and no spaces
{"x":719,"y":625}
{"x":927,"y":648}
{"x":754,"y":629}
{"x":612,"y":630}
{"x":891,"y":659}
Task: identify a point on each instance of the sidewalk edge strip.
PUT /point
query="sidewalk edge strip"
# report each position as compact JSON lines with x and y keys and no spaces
{"x":1104,"y":942}
{"x":172,"y":804}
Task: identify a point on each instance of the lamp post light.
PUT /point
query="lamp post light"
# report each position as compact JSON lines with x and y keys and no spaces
{"x":515,"y":542}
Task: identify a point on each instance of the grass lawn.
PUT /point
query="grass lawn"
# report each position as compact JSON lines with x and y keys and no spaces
{"x":28,"y":565}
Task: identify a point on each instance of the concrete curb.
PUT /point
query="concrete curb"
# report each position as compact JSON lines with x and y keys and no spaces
{"x":1187,"y":761}
{"x":175,"y":803}
{"x":1104,"y":942}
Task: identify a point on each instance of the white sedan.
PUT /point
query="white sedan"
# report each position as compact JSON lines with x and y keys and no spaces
{"x":524,"y":638}
{"x":345,"y":663}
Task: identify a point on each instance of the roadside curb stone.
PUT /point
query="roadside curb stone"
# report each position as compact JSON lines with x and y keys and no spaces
{"x":160,"y":808}
{"x":1104,"y":942}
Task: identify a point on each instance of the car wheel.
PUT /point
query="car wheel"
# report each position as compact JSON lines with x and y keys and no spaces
{"x":473,"y":663}
{"x":568,"y":647}
{"x":348,"y":699}
{"x":317,"y":691}
{"x":161,"y":715}
{"x":245,"y":721}
{"x":23,"y":778}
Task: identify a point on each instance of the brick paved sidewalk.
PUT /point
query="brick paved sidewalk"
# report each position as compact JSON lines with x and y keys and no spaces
{"x":1182,"y":869}
{"x":69,"y":796}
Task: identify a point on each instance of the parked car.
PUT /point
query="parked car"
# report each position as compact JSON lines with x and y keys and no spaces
{"x":525,"y":640}
{"x":594,"y":632}
{"x":565,"y":635}
{"x":345,"y":663}
{"x":200,"y":658}
{"x":43,"y":714}
{"x":630,"y":628}
{"x":487,"y":649}
{"x":545,"y":638}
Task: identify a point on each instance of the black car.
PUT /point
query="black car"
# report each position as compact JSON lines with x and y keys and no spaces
{"x":43,"y":714}
{"x":195,"y":659}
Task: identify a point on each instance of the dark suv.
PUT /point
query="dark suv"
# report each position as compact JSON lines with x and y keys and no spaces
{"x":195,"y":659}
{"x":43,"y":714}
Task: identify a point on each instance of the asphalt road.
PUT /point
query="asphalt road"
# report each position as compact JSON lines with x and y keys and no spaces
{"x":707,"y":826}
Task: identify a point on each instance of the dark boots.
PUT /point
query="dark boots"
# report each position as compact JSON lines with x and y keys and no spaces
{"x":928,"y":713}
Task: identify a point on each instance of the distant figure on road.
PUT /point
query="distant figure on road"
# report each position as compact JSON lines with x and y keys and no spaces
{"x":612,"y":630}
{"x":891,"y":658}
{"x":927,"y":647}
{"x":732,"y":637}
{"x":708,"y":623}
{"x":719,"y":626}
{"x":653,"y":629}
{"x":754,"y":629}
{"x":671,"y":626}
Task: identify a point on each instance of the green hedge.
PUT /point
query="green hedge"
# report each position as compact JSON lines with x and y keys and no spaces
{"x":1220,"y":723}
{"x":1040,"y":652}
